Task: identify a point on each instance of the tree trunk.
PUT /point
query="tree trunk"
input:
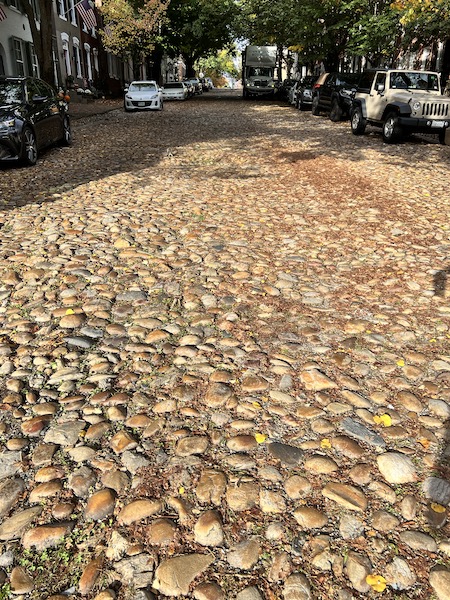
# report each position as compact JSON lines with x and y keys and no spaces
{"x":154,"y":65}
{"x":42,"y":39}
{"x":189,"y":62}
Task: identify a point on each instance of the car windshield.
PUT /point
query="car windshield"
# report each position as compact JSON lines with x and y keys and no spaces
{"x":172,"y":86}
{"x":260,"y":72}
{"x":142,"y":86}
{"x":414,"y":80}
{"x":308,"y":80}
{"x":347,"y":78}
{"x":10,"y":92}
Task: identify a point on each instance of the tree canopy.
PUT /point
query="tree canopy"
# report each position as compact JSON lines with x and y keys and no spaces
{"x":319,"y":30}
{"x":132,"y":27}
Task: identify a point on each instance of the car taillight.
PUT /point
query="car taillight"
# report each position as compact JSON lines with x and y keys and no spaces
{"x":316,"y":86}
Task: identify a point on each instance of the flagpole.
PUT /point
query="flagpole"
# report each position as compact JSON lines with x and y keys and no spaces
{"x":71,"y":9}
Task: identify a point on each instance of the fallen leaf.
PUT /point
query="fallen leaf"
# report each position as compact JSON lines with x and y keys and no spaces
{"x":260,"y":438}
{"x":325,"y":443}
{"x":438,"y":508}
{"x":384,"y":420}
{"x":401,"y":363}
{"x":376,"y":582}
{"x":424,"y":442}
{"x":70,"y":311}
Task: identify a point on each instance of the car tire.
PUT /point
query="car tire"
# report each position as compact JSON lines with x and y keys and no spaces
{"x":392,"y":132}
{"x":28,"y":152}
{"x":358,"y":122}
{"x":67,"y":132}
{"x":335,"y":112}
{"x":442,"y":137}
{"x":315,"y":109}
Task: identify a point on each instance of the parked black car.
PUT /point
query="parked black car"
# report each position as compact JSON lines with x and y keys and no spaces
{"x":304,"y":91}
{"x":334,"y":95}
{"x":32,"y":116}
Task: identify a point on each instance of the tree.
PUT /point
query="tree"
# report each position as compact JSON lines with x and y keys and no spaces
{"x":377,"y":34}
{"x":424,"y":21}
{"x":42,"y":38}
{"x":132,"y":28}
{"x":217,"y":64}
{"x":196,"y":28}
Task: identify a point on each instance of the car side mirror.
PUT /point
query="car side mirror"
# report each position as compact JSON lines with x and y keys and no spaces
{"x":380,"y":88}
{"x":125,"y":90}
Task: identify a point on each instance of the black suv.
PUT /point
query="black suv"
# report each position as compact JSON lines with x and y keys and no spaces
{"x":334,"y":95}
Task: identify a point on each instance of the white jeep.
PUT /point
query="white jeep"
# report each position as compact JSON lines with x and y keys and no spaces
{"x":401,"y":102}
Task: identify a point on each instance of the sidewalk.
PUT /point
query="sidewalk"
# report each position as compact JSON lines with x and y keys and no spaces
{"x":82,"y":109}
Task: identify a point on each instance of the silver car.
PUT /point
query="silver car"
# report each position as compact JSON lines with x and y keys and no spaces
{"x":175,"y":90}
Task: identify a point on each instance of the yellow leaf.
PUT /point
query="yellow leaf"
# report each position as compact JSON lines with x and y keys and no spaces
{"x":325,"y":443}
{"x":432,"y":340}
{"x":260,"y":438}
{"x":437,"y":507}
{"x":376,"y":582}
{"x":384,"y":420}
{"x":181,"y":490}
{"x":401,"y":363}
{"x":256,"y":404}
{"x":69,"y":311}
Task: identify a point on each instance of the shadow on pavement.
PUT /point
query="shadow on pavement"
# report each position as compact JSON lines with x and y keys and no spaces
{"x":117,"y":142}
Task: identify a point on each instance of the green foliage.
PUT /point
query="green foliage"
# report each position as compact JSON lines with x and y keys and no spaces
{"x":323,"y":30}
{"x":197,"y":28}
{"x":5,"y":591}
{"x":132,"y":27}
{"x":218,"y":63}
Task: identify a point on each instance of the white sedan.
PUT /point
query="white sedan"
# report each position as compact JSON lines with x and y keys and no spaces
{"x":143,"y":95}
{"x":175,"y":90}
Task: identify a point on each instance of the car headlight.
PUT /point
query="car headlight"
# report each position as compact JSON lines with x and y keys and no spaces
{"x":416,"y":105}
{"x":4,"y":125}
{"x":129,"y":97}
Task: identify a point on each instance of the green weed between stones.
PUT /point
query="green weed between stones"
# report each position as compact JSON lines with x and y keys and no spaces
{"x":5,"y":591}
{"x":55,"y":569}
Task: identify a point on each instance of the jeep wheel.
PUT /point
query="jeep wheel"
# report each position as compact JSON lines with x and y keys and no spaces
{"x":315,"y":106}
{"x":358,"y":122}
{"x":392,"y":132}
{"x":336,"y":111}
{"x":442,"y":136}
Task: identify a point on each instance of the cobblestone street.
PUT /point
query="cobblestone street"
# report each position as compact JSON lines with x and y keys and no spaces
{"x":225,"y":362}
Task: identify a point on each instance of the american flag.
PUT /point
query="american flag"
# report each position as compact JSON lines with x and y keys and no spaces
{"x":2,"y":14}
{"x":86,"y":13}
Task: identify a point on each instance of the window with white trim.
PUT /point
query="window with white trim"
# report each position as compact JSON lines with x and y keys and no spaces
{"x":87,"y":49}
{"x":63,"y":9}
{"x":77,"y":57}
{"x":34,"y":61}
{"x":95,"y":53}
{"x":66,"y":53}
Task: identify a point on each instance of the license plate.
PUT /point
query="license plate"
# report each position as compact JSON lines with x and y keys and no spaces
{"x":437,"y":124}
{"x":141,"y":103}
